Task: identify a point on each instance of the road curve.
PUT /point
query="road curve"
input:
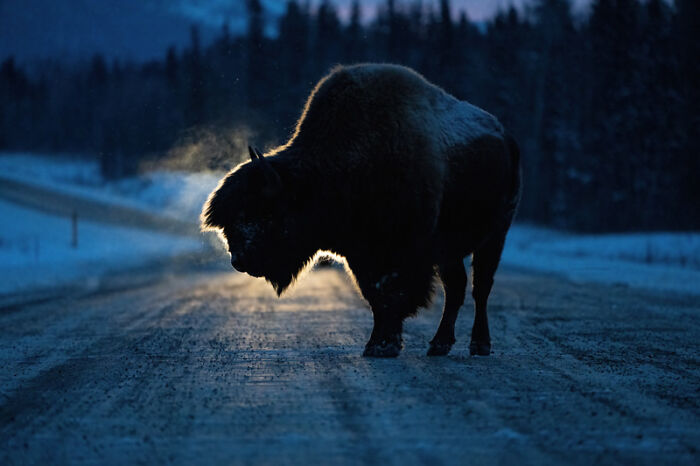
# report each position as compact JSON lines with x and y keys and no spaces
{"x":211,"y":368}
{"x":60,"y":203}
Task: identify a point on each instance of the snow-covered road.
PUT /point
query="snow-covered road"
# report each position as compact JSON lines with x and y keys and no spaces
{"x":211,"y":368}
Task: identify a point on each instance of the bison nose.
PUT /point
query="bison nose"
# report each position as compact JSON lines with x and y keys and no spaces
{"x":236,"y":262}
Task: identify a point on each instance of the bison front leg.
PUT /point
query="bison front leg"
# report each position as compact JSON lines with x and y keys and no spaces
{"x":485,"y":263}
{"x":393,"y":296}
{"x":386,"y":340}
{"x":454,"y":282}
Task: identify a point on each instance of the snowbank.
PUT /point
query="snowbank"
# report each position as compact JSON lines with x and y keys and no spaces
{"x":655,"y":261}
{"x":36,"y":249}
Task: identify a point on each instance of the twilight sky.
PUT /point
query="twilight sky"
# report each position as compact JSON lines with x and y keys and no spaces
{"x":143,"y":29}
{"x":477,"y":10}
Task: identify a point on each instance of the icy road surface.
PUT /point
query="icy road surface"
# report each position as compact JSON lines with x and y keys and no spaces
{"x":211,"y":368}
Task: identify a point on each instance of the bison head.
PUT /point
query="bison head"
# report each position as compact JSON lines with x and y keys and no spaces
{"x":251,"y":210}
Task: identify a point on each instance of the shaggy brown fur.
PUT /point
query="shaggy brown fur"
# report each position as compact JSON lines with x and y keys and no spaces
{"x":391,"y":173}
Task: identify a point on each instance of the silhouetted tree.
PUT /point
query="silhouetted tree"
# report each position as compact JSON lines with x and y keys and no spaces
{"x":171,"y":66}
{"x":605,"y":108}
{"x":196,"y":100}
{"x":256,"y":56}
{"x":686,"y":47}
{"x":354,"y":41}
{"x":327,"y":40}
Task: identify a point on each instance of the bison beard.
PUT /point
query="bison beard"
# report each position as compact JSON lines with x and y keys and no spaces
{"x":398,"y":177}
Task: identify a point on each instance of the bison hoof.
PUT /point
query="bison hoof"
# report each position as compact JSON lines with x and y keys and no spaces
{"x":479,"y":348}
{"x":383,"y":349}
{"x":439,"y":348}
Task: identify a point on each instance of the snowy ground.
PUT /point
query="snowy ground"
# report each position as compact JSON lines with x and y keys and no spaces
{"x":211,"y":367}
{"x":36,"y":249}
{"x":660,"y":261}
{"x":656,"y":261}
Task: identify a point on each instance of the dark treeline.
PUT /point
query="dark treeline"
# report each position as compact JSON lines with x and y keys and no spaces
{"x":604,"y":107}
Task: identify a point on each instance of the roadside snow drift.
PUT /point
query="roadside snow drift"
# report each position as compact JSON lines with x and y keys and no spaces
{"x":654,"y":261}
{"x":36,"y":249}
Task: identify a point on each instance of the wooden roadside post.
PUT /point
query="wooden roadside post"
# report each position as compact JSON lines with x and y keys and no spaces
{"x":74,"y":236}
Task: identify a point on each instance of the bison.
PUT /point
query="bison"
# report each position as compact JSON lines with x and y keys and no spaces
{"x":395,"y":175}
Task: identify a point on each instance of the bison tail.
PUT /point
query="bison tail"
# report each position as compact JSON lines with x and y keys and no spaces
{"x":515,"y":184}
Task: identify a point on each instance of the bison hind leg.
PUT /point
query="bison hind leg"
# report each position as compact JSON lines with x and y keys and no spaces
{"x":454,"y":282}
{"x":485,"y":263}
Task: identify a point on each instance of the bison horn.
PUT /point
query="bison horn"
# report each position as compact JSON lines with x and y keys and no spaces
{"x":253,"y":154}
{"x":271,"y":176}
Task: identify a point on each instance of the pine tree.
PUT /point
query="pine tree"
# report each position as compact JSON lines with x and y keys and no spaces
{"x":256,"y":63}
{"x":293,"y":51}
{"x":171,"y":66}
{"x":446,"y":47}
{"x":327,"y":38}
{"x":195,"y":103}
{"x":611,"y":121}
{"x":354,"y":43}
{"x":687,"y":46}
